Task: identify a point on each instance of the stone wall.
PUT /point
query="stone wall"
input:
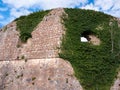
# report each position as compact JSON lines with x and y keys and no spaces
{"x":8,"y":42}
{"x":35,"y":65}
{"x":116,"y":84}
{"x":46,"y":37}
{"x":38,"y":74}
{"x":44,"y":43}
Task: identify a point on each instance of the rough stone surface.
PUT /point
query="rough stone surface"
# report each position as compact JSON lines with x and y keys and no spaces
{"x":8,"y":42}
{"x":118,"y":19}
{"x":116,"y":85}
{"x":46,"y":37}
{"x":44,"y":43}
{"x":35,"y":65}
{"x":37,"y":74}
{"x":94,"y":40}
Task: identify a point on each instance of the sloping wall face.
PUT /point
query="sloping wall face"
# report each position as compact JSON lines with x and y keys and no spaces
{"x":35,"y":65}
{"x":44,"y":43}
{"x":46,"y":37}
{"x":8,"y":42}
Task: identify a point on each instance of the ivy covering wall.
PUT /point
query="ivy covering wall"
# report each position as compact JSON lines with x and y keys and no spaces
{"x":26,"y":24}
{"x":95,"y":65}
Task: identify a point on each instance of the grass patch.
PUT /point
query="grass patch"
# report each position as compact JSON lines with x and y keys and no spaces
{"x":33,"y":78}
{"x":95,"y":66}
{"x":26,"y":24}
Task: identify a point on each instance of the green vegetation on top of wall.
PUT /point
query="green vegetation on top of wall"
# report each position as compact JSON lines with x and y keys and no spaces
{"x":26,"y":24}
{"x":95,"y":65}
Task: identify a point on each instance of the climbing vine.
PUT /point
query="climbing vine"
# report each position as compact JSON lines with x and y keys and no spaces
{"x":95,"y":66}
{"x":26,"y":24}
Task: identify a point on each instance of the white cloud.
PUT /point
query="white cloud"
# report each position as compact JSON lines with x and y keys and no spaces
{"x":111,"y":7}
{"x":108,"y":4}
{"x":91,"y":7}
{"x":17,"y":13}
{"x":21,"y":7}
{"x":18,"y":4}
{"x":116,"y":5}
{"x":48,"y":4}
{"x":44,"y":4}
{"x":1,"y":17}
{"x":115,"y":13}
{"x":6,"y":21}
{"x":104,"y":4}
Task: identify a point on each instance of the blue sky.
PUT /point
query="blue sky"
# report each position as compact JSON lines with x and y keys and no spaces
{"x":11,"y":9}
